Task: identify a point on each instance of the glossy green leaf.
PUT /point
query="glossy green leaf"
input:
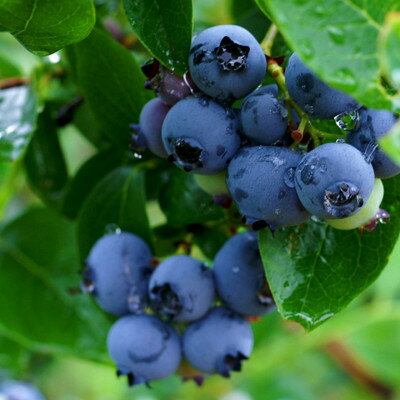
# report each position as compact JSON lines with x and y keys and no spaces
{"x":344,"y":53}
{"x":88,"y":175}
{"x":117,"y":202}
{"x":314,"y":271}
{"x":44,"y":162}
{"x":246,"y":14}
{"x":165,"y":28}
{"x":389,"y":49}
{"x":183,"y":202}
{"x":45,"y":26}
{"x":43,"y":307}
{"x":112,"y":83}
{"x":17,"y":122}
{"x":390,"y":143}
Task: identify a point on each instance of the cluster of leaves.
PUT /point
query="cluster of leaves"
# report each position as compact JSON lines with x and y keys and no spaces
{"x":95,"y":86}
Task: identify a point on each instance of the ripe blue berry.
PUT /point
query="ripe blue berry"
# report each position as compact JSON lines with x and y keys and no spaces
{"x":219,"y":342}
{"x":373,"y":125}
{"x":200,"y":135}
{"x":261,"y":182}
{"x":150,"y":124}
{"x":314,"y":96}
{"x":366,"y":214}
{"x":226,"y":62}
{"x":334,"y":180}
{"x":263,"y":116}
{"x":118,"y":272}
{"x":240,"y":278}
{"x":182,"y":288}
{"x":144,"y":348}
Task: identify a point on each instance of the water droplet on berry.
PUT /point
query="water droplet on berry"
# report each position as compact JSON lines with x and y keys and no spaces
{"x":289,"y":177}
{"x":348,"y":121}
{"x":112,"y":228}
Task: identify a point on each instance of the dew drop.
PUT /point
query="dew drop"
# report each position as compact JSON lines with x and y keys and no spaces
{"x":112,"y":228}
{"x":289,"y":177}
{"x":336,"y":34}
{"x":345,"y":78}
{"x":306,"y":50}
{"x":348,"y":121}
{"x":235,"y":270}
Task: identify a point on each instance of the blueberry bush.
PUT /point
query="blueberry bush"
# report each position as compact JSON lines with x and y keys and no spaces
{"x":188,"y":184}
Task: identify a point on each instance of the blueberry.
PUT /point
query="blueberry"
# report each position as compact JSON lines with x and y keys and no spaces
{"x":263,"y":116}
{"x":366,"y":214}
{"x":118,"y":272}
{"x":226,"y":62}
{"x":313,"y":95}
{"x":200,"y":135}
{"x":373,"y":125}
{"x":150,"y":124}
{"x":182,"y":288}
{"x":240,"y":278}
{"x":144,"y":348}
{"x":261,"y":182}
{"x":219,"y":342}
{"x":15,"y":390}
{"x":334,"y":180}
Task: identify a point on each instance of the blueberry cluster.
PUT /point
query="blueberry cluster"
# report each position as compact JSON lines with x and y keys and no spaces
{"x":259,"y":145}
{"x":170,"y":317}
{"x":222,"y":124}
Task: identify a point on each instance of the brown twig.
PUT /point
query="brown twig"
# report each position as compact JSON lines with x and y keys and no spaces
{"x":359,"y":372}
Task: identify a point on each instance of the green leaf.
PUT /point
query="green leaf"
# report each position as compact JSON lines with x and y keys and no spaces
{"x":390,"y":143}
{"x":117,"y":201}
{"x":17,"y":122}
{"x":210,"y":241}
{"x":314,"y":271}
{"x":344,"y":53}
{"x":89,"y":174}
{"x":246,"y":14}
{"x":389,"y":48}
{"x":13,"y":356}
{"x":183,"y":202}
{"x":38,"y":277}
{"x":44,"y":162}
{"x":45,"y":26}
{"x":165,"y":28}
{"x":112,"y":83}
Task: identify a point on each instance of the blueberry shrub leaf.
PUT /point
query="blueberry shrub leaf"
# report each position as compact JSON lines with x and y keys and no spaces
{"x":45,"y":165}
{"x":112,"y":83}
{"x":389,"y":49}
{"x":39,"y":266}
{"x":18,"y":121}
{"x":165,"y":28}
{"x":45,"y":26}
{"x":183,"y":202}
{"x":315,"y":271}
{"x":118,"y":201}
{"x":345,"y":51}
